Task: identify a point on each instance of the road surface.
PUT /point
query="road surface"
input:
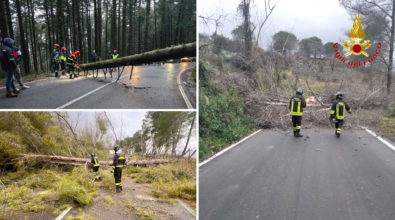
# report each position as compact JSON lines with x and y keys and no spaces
{"x":97,"y":93}
{"x":276,"y":176}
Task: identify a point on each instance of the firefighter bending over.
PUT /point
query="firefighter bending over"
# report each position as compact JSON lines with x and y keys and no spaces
{"x":339,"y":107}
{"x":95,"y":163}
{"x":71,"y":62}
{"x":117,"y":166}
{"x":296,"y":105}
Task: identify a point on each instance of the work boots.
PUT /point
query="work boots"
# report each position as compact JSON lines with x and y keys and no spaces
{"x":295,"y":133}
{"x":56,"y":75}
{"x":298,"y":134}
{"x":337,"y":135}
{"x":11,"y":95}
{"x":118,"y":189}
{"x":71,"y":76}
{"x":16,"y":91}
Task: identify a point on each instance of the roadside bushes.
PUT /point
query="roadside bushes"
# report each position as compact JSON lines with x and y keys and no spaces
{"x":222,"y":121}
{"x":173,"y":180}
{"x":387,"y":123}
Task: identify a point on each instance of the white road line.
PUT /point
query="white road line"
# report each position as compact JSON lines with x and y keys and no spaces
{"x":27,"y":82}
{"x":186,"y":207}
{"x":63,"y":214}
{"x":81,"y":97}
{"x":189,"y":105}
{"x":381,"y":139}
{"x":226,"y":149}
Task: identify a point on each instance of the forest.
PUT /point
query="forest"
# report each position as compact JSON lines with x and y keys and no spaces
{"x":130,"y":27}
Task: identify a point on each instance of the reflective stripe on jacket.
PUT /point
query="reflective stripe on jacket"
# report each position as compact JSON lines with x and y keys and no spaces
{"x":72,"y":59}
{"x":95,"y":162}
{"x":296,"y":105}
{"x":119,"y":160}
{"x":339,"y":108}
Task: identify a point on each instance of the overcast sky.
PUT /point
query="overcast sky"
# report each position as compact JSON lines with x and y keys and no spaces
{"x":306,"y":18}
{"x":133,"y":120}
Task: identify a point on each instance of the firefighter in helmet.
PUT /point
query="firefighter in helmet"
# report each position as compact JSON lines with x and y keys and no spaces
{"x":62,"y":59}
{"x":95,"y":163}
{"x":338,"y":110}
{"x":296,"y":105}
{"x":115,"y":56}
{"x":117,"y":166}
{"x":55,"y":59}
{"x":71,"y":62}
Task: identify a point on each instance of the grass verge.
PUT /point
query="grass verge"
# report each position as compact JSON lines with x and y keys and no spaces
{"x":169,"y":181}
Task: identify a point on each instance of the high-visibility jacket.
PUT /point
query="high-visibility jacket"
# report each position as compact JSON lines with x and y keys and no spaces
{"x":95,"y":162}
{"x":72,"y":59}
{"x":339,"y":107}
{"x":119,"y":160}
{"x":61,"y":56}
{"x":115,"y":55}
{"x":296,"y":105}
{"x":55,"y":55}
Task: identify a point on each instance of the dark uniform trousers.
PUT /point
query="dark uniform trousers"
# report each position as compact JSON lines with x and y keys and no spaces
{"x":339,"y":125}
{"x":297,"y":122}
{"x":118,"y":176}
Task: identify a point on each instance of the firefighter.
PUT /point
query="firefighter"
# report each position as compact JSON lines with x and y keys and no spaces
{"x":296,"y":105}
{"x":95,"y":163}
{"x":339,"y":107}
{"x":115,"y":56}
{"x":117,"y":165}
{"x":55,"y":59}
{"x":9,"y":66}
{"x":71,"y":62}
{"x":62,"y":59}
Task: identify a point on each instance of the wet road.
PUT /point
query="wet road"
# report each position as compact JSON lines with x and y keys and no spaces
{"x":97,"y":93}
{"x":276,"y":176}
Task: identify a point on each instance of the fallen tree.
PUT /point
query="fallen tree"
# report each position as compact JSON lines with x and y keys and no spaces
{"x":75,"y":161}
{"x":176,"y":52}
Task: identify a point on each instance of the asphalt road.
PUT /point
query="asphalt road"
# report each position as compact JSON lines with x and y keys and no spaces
{"x":276,"y":176}
{"x":97,"y":93}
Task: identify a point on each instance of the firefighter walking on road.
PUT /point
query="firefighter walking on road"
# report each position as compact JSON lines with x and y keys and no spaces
{"x":55,"y":59}
{"x":296,"y":105}
{"x":117,"y":166}
{"x":338,"y":110}
{"x":95,"y":163}
{"x":71,"y":61}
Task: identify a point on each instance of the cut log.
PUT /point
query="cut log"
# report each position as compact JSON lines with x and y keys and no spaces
{"x":177,"y":52}
{"x":75,"y":161}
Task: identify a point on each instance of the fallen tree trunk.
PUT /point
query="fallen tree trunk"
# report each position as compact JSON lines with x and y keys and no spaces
{"x":177,"y":52}
{"x":75,"y":161}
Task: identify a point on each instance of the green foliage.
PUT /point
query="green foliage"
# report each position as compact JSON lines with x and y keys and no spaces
{"x":222,"y":121}
{"x":391,"y":112}
{"x":312,"y":45}
{"x":286,"y":40}
{"x":174,"y":180}
{"x":76,"y":187}
{"x":194,"y":73}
